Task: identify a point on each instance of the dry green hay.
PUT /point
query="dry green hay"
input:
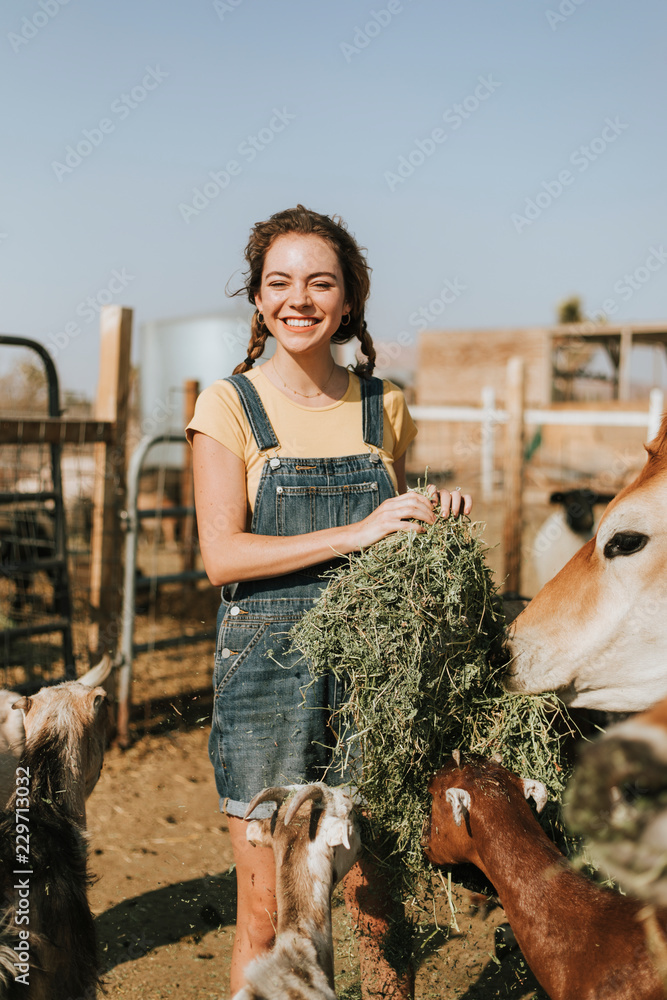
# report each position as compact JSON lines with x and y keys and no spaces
{"x":408,"y":625}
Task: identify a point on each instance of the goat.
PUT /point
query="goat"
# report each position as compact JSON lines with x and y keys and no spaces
{"x":616,"y":798}
{"x":12,"y":732}
{"x":315,"y":840}
{"x":45,"y":919}
{"x":565,"y":531}
{"x":581,"y":941}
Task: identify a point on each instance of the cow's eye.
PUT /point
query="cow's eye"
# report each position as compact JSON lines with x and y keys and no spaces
{"x":625,"y":543}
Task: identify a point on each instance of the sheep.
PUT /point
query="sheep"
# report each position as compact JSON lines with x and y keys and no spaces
{"x":315,"y":840}
{"x":45,"y":919}
{"x":565,"y":531}
{"x":12,"y":733}
{"x":581,"y":941}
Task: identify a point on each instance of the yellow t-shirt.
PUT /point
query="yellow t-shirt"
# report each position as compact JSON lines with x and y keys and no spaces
{"x":303,"y":431}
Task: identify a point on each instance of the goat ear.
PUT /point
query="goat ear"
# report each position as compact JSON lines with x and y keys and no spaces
{"x":535,"y":790}
{"x":459,"y":800}
{"x":338,"y":833}
{"x":99,"y":699}
{"x":256,"y":833}
{"x":24,"y":704}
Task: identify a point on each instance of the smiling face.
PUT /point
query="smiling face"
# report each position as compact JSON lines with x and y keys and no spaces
{"x":302,"y":295}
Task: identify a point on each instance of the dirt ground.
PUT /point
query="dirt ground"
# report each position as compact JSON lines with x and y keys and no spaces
{"x":164,"y":896}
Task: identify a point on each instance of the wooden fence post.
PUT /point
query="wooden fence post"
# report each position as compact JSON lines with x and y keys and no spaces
{"x":513,"y":477}
{"x":191,"y":391}
{"x":111,"y":403}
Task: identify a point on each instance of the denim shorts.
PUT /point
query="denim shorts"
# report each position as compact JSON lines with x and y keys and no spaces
{"x":272,"y":723}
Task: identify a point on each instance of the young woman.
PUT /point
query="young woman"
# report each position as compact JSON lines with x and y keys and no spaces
{"x":296,"y":462}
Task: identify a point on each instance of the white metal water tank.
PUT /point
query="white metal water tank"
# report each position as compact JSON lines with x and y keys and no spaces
{"x":172,"y":350}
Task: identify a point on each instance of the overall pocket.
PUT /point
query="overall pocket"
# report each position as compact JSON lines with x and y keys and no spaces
{"x":301,"y":509}
{"x":236,"y":640}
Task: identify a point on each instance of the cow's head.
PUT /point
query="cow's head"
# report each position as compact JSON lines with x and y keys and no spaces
{"x":597,"y":632}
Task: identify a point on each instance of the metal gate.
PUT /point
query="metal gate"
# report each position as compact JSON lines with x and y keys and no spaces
{"x":33,"y":539}
{"x":133,"y":517}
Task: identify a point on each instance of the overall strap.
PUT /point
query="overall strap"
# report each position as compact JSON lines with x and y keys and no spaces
{"x":253,"y":408}
{"x":372,"y":406}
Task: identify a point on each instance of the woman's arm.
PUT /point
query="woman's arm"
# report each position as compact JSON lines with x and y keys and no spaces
{"x":231,"y":553}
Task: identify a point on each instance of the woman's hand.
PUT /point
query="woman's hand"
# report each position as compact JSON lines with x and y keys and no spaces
{"x":451,"y":501}
{"x":395,"y":514}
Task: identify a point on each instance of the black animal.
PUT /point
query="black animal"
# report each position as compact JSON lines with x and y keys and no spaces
{"x":578,"y":506}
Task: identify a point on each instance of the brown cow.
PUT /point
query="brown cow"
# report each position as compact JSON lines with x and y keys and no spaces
{"x":597,"y":632}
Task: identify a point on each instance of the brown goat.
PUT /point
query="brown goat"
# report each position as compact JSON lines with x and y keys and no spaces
{"x":12,"y":730}
{"x":315,"y":840}
{"x":45,"y":918}
{"x":582,"y":942}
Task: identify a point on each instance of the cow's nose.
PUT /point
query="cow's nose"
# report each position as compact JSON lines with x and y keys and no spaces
{"x":500,"y":655}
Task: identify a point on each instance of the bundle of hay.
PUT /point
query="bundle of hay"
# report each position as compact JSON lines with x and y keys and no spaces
{"x":408,"y":625}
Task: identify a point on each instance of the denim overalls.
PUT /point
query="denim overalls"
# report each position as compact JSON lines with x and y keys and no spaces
{"x":271,"y":725}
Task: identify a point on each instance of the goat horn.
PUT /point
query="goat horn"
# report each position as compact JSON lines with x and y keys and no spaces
{"x":276,"y":794}
{"x":97,"y":674}
{"x":317,"y":791}
{"x":456,"y":754}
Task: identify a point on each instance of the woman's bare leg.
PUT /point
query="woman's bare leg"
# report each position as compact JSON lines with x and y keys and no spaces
{"x":373,"y":911}
{"x":256,"y":900}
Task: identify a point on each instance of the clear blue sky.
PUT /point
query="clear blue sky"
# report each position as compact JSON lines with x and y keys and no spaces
{"x":220,"y":71}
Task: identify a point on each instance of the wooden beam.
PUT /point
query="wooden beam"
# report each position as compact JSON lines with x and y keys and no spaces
{"x":191,"y":391}
{"x":624,"y":364}
{"x":52,"y":430}
{"x":513,"y":478}
{"x":111,"y":404}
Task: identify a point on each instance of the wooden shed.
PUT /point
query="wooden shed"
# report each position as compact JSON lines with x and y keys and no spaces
{"x":583,"y":365}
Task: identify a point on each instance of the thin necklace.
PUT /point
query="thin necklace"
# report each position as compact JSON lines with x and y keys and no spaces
{"x":306,"y":395}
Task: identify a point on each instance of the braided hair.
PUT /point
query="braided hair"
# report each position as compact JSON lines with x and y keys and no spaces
{"x":356,"y":278}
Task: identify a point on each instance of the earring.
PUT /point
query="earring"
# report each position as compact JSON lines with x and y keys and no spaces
{"x":348,"y":317}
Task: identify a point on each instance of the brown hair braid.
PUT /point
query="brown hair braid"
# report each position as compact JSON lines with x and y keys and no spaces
{"x":356,"y":277}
